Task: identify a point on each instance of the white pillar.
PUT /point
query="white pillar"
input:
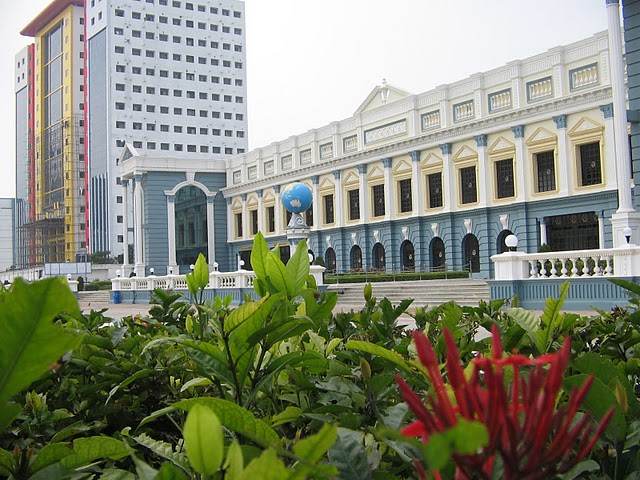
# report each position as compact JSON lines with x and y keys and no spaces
{"x":416,"y":184}
{"x":520,"y":162}
{"x":564,"y":163}
{"x":211,"y":222}
{"x":315,"y":207}
{"x":390,"y":207}
{"x":230,"y":225}
{"x":125,"y":224}
{"x":448,"y":182}
{"x":543,"y":232}
{"x":245,"y":215}
{"x":138,"y":234}
{"x":601,"y":231}
{"x":260,"y":212}
{"x":171,"y":232}
{"x":278,"y":210}
{"x":483,"y":161}
{"x":364,"y":207}
{"x":339,"y":209}
{"x":609,"y":162}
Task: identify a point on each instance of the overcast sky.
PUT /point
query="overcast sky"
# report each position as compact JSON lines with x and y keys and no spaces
{"x":310,"y":62}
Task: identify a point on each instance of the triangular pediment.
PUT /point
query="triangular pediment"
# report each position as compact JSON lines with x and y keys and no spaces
{"x":236,"y":204}
{"x":326,"y":183}
{"x":375,"y":173}
{"x":268,"y":197}
{"x":351,"y":177}
{"x":252,"y":200}
{"x":431,"y":159}
{"x":465,"y":153}
{"x":401,"y":167}
{"x":382,"y":95}
{"x":586,"y":126}
{"x":541,"y":135}
{"x":501,"y":145}
{"x":127,"y":152}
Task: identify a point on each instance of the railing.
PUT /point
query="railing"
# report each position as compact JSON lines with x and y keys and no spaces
{"x":619,"y":262}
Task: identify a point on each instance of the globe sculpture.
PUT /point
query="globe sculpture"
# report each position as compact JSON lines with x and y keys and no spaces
{"x":297,"y":197}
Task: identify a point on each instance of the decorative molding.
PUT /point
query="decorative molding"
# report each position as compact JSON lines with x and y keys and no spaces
{"x":362,"y":168}
{"x":276,"y":188}
{"x":464,"y":111}
{"x":504,"y":221}
{"x":499,"y":100}
{"x":376,"y":236}
{"x":336,"y":174}
{"x":327,"y":240}
{"x":415,"y":155}
{"x":259,"y":192}
{"x":583,"y":77}
{"x":243,"y":197}
{"x":190,"y":175}
{"x":350,"y":144}
{"x":468,"y":225}
{"x":387,"y":162}
{"x":560,"y":121}
{"x":354,"y":238}
{"x":445,"y":148}
{"x":435,"y":228}
{"x":541,"y":135}
{"x":481,"y":140}
{"x":607,"y":110}
{"x":465,"y":153}
{"x":385,"y":131}
{"x":501,"y":145}
{"x":586,"y":126}
{"x":430,"y":120}
{"x":405,"y":233}
{"x":539,"y":89}
{"x":518,"y":131}
{"x":315,"y":179}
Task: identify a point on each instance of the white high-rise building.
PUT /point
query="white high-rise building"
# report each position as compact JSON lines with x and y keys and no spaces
{"x":161,"y":78}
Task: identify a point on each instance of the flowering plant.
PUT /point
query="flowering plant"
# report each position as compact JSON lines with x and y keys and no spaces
{"x":528,"y":432}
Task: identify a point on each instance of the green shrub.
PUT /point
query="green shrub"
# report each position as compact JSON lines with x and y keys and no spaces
{"x":391,"y":277}
{"x":97,"y":285}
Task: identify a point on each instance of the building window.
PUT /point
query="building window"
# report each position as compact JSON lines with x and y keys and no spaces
{"x":328,"y":209}
{"x":271,"y":219}
{"x":354,"y":204}
{"x":434,"y":185}
{"x":378,"y":200}
{"x":406,"y":199}
{"x":238,"y":225}
{"x":468,"y":191}
{"x":254,"y":221}
{"x":546,"y":171}
{"x":590,"y":171}
{"x":309,"y":216}
{"x":504,"y":179}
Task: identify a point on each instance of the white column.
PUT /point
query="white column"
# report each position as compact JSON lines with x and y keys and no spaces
{"x":601,"y":231}
{"x":125,"y":224}
{"x":448,"y":182}
{"x":520,"y":162}
{"x":364,"y":207}
{"x":245,"y":216}
{"x":315,"y":205}
{"x":211,"y":222}
{"x":339,"y":208}
{"x":625,"y":204}
{"x":390,"y":207}
{"x":483,"y":162}
{"x":278,"y":210}
{"x":543,"y":232}
{"x":609,"y":161}
{"x":171,"y":232}
{"x":564,"y":161}
{"x":417,"y":184}
{"x":138,"y":234}
{"x":260,"y":212}
{"x":230,"y":220}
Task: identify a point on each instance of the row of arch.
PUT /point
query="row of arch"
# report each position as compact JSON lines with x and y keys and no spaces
{"x":437,"y":255}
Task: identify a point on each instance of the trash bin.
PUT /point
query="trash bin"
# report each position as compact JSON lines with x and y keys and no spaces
{"x":115,"y":296}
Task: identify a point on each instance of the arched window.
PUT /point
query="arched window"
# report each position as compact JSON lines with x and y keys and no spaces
{"x":379,"y":257}
{"x":438,"y":258}
{"x":356,"y":258}
{"x":330,"y":260}
{"x":189,"y":201}
{"x":501,"y":246}
{"x":408,"y":256}
{"x":471,"y":251}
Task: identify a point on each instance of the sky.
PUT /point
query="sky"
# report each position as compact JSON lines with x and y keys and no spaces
{"x":312,"y":62}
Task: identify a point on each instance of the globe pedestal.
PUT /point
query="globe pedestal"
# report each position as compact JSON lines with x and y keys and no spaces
{"x":297,"y":230}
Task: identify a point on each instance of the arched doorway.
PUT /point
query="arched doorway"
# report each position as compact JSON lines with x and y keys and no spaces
{"x":438,"y":258}
{"x":408,"y":256}
{"x":501,"y":246}
{"x":191,"y":225}
{"x":356,"y":258}
{"x":330,"y":260}
{"x":471,"y":251}
{"x":379,"y":257}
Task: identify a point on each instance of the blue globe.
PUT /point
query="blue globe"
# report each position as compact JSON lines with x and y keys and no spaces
{"x":297,"y":197}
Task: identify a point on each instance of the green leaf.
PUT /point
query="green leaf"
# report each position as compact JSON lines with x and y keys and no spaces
{"x":551,"y":318}
{"x":170,"y":472}
{"x":235,"y":418}
{"x":30,"y":340}
{"x":349,"y":456}
{"x":382,"y":352}
{"x":527,"y":319}
{"x":579,"y":469}
{"x":132,"y":378}
{"x":464,"y":438}
{"x":234,"y":463}
{"x":627,"y":285}
{"x":259,"y":254}
{"x":276,"y":273}
{"x":266,"y":467}
{"x":368,"y":292}
{"x":196,"y":382}
{"x":201,"y":272}
{"x":164,"y":450}
{"x":116,"y":474}
{"x":297,"y":269}
{"x":7,"y":463}
{"x":89,"y":449}
{"x":599,"y":401}
{"x":192,"y":283}
{"x":203,"y":440}
{"x":314,"y":447}
{"x":289,"y":414}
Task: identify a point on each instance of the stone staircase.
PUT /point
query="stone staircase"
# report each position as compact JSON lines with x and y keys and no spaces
{"x":464,"y":291}
{"x":97,"y":297}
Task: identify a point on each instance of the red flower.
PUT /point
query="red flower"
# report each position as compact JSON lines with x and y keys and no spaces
{"x":534,"y":438}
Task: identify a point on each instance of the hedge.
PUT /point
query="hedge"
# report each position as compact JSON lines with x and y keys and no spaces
{"x":393,"y":277}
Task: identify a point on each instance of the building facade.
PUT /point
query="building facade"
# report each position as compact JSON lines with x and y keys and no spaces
{"x":165,"y":77}
{"x":7,"y":217}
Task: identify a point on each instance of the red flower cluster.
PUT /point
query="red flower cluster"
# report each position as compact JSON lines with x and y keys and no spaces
{"x":534,"y":438}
